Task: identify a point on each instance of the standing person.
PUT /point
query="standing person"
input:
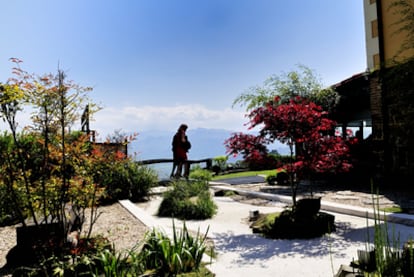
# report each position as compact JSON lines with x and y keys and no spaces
{"x":180,"y":147}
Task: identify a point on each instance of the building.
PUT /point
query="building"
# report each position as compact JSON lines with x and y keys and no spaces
{"x":383,"y":95}
{"x":384,"y":42}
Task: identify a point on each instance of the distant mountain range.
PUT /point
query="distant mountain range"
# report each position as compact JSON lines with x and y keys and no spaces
{"x":206,"y":143}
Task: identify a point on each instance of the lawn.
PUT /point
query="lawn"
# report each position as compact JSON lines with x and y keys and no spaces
{"x":244,"y":174}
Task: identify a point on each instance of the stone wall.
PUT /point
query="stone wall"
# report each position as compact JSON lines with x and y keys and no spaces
{"x":392,"y":111}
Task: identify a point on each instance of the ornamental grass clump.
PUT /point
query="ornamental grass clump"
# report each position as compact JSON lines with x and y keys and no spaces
{"x":167,"y":257}
{"x":382,"y":255}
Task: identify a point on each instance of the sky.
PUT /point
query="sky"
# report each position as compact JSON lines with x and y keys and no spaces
{"x":154,"y":64}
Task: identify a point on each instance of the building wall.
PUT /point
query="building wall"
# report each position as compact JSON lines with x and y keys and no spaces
{"x":371,"y":34}
{"x":383,"y":41}
{"x":393,"y":38}
{"x":389,"y":95}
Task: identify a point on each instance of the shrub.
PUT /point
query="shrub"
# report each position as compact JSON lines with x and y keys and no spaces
{"x":201,"y":174}
{"x":241,"y":164}
{"x":388,"y":259}
{"x":220,"y":162}
{"x":288,"y":226}
{"x":142,"y":180}
{"x":280,"y":177}
{"x":264,"y":223}
{"x":43,"y":166}
{"x":263,"y":162}
{"x":125,"y":180}
{"x":79,"y":261}
{"x":271,"y":179}
{"x":8,"y":215}
{"x":188,"y":200}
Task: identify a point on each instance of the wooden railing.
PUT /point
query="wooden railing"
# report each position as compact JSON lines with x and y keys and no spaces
{"x":208,"y":161}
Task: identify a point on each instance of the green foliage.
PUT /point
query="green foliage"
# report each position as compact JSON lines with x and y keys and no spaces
{"x":280,"y":159}
{"x":8,"y":215}
{"x":271,"y":179}
{"x":303,"y":222}
{"x":386,"y":258}
{"x":124,"y":179}
{"x":43,"y":167}
{"x":289,"y":226}
{"x":188,"y":200}
{"x":264,"y":223}
{"x":302,"y":82}
{"x":201,"y":174}
{"x":387,"y":255}
{"x":279,"y":177}
{"x":157,"y":255}
{"x":394,"y":209}
{"x":407,"y":264}
{"x":110,"y":263}
{"x":167,"y":257}
{"x":142,"y":179}
{"x":80,"y":261}
{"x":244,"y":174}
{"x":220,"y":161}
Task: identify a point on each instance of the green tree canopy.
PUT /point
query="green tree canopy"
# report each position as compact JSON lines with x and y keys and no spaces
{"x":302,"y":82}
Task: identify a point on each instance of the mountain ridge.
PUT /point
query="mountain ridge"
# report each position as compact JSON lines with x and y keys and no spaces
{"x":206,"y":143}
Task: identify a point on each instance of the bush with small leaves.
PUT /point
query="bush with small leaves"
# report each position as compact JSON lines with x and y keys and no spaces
{"x":188,"y":200}
{"x":201,"y":174}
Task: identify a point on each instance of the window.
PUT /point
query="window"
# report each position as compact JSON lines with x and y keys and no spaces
{"x":377,"y":62}
{"x":374,"y":28}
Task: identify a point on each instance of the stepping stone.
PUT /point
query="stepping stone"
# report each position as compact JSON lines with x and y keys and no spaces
{"x":381,"y":201}
{"x":345,"y":197}
{"x":345,"y":192}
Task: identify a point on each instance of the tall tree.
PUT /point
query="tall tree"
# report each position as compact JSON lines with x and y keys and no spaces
{"x":49,"y":172}
{"x":302,"y":82}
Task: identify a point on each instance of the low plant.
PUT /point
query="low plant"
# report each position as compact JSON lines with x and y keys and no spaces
{"x":383,"y":255}
{"x":111,"y":263}
{"x":271,"y":179}
{"x":279,"y":177}
{"x":246,"y":173}
{"x":166,"y":257}
{"x":157,"y":255}
{"x":8,"y":214}
{"x":188,"y":200}
{"x":201,"y":174}
{"x":263,"y":224}
{"x":81,"y":260}
{"x":287,"y":225}
{"x":220,"y":163}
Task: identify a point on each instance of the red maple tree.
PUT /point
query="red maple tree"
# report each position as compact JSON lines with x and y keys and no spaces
{"x":306,"y":129}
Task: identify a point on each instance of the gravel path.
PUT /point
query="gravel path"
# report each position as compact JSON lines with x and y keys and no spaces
{"x":115,"y":223}
{"x":386,"y":199}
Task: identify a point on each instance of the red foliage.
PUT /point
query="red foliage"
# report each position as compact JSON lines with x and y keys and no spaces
{"x":251,"y":147}
{"x":298,"y":123}
{"x":245,"y":144}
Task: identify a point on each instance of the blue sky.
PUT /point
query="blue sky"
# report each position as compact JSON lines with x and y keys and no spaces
{"x":154,"y":64}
